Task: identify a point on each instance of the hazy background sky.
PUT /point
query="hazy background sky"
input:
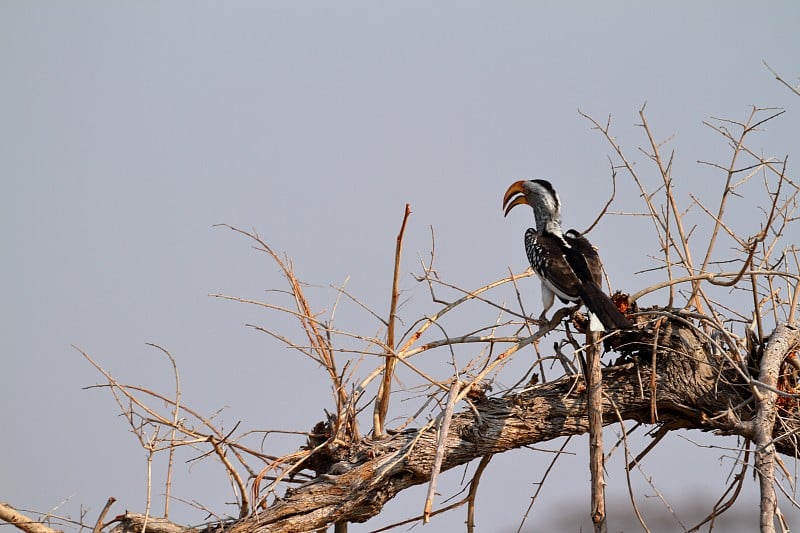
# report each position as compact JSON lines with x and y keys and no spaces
{"x":127,"y":130}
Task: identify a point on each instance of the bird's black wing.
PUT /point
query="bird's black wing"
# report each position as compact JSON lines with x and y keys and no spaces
{"x":546,"y":255}
{"x":584,"y":261}
{"x":582,"y":245}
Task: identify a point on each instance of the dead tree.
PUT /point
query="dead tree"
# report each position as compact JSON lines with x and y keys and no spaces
{"x":692,"y":362}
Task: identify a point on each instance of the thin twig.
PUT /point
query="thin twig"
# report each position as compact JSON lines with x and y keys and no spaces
{"x":443,"y":427}
{"x":795,"y":90}
{"x":244,"y":505}
{"x":175,"y":420}
{"x":627,"y":465}
{"x":540,"y":484}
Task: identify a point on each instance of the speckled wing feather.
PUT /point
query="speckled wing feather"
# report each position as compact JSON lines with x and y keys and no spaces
{"x":548,"y":261}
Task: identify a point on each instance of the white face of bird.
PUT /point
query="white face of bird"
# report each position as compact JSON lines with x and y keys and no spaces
{"x":548,"y":195}
{"x":542,"y":197}
{"x":546,"y":204}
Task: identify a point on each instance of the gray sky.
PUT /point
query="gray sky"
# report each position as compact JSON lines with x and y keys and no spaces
{"x":129,"y":129}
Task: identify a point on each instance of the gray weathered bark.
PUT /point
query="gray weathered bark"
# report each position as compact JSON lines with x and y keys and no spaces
{"x":780,"y":343}
{"x":695,"y":388}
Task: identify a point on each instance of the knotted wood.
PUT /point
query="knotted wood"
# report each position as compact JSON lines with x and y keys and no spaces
{"x":694,"y":389}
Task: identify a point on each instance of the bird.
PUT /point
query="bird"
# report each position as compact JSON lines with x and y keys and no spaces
{"x":566,"y":262}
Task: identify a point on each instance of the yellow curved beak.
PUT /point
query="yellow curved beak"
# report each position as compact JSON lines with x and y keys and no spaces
{"x":516,"y":188}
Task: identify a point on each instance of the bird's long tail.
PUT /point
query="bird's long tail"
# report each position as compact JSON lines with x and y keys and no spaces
{"x":601,"y":306}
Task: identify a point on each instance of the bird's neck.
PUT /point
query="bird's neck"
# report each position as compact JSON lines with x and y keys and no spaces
{"x":548,"y":215}
{"x":548,"y":222}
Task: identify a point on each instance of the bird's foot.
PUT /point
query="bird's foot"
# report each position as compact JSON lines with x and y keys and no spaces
{"x":542,"y":320}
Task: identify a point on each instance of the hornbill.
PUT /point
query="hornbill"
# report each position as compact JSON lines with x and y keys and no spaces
{"x":566,"y":262}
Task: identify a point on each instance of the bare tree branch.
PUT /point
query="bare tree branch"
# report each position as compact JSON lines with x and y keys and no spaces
{"x":382,"y":401}
{"x":20,"y":521}
{"x":783,"y":340}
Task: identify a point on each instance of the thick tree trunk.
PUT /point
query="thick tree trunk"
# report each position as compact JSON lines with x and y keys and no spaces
{"x":694,"y":388}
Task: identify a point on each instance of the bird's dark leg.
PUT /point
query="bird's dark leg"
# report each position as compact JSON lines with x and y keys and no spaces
{"x":542,"y":320}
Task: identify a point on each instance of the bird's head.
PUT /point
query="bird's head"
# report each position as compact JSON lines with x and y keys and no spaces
{"x":541,"y":196}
